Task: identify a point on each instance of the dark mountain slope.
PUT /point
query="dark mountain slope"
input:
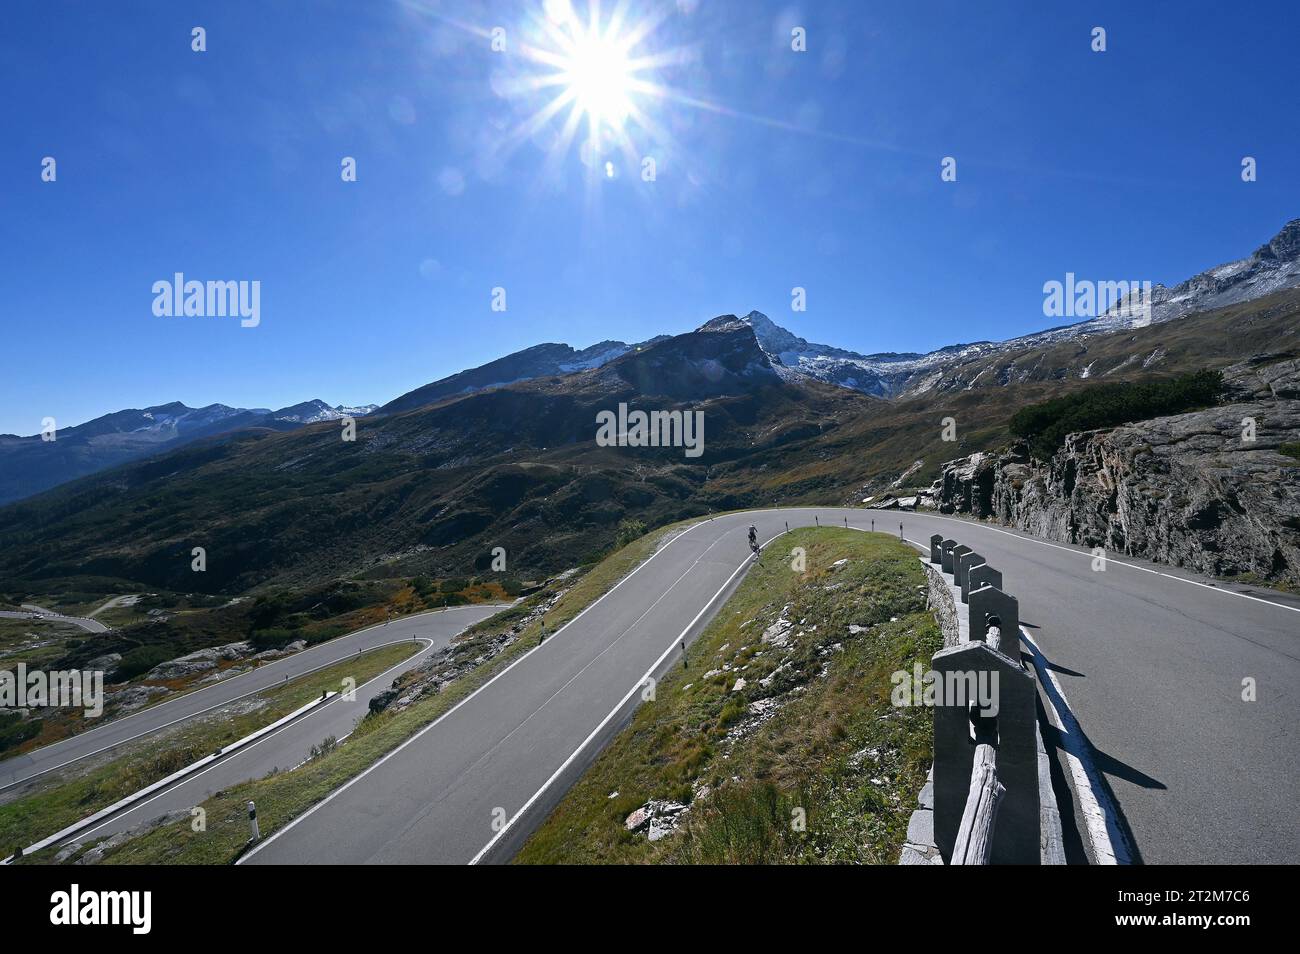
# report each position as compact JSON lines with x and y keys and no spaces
{"x":432,"y":489}
{"x":539,"y":361}
{"x":29,"y":465}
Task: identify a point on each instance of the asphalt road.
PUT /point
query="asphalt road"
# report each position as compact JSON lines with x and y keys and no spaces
{"x":439,"y":626}
{"x":1152,"y":660}
{"x":89,"y":625}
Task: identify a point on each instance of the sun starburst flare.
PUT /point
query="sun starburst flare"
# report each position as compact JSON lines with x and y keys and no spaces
{"x":598,"y":76}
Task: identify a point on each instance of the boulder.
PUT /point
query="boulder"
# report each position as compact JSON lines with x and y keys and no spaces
{"x":106,"y":663}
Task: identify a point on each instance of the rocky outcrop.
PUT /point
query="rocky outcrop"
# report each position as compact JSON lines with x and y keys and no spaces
{"x":1191,"y":490}
{"x":203,"y":661}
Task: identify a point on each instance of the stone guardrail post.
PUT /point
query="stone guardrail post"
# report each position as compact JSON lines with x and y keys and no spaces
{"x":945,"y":551}
{"x":958,"y":552}
{"x":981,"y":575}
{"x":936,"y":551}
{"x":960,"y":670}
{"x":989,"y":606}
{"x":964,"y":564}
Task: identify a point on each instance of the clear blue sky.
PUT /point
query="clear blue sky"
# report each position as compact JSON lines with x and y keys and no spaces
{"x":774,"y":169}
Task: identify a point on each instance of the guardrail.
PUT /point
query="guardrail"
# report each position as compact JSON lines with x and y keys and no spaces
{"x":986,"y":794}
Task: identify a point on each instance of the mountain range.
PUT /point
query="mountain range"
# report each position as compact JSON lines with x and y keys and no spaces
{"x":504,"y":455}
{"x":29,"y":465}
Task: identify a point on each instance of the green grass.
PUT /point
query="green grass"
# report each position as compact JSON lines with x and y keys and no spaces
{"x":1291,"y":450}
{"x":283,"y":796}
{"x":62,"y":801}
{"x":856,"y":811}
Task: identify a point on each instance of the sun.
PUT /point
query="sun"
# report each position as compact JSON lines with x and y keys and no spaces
{"x":599,"y":77}
{"x":595,"y":76}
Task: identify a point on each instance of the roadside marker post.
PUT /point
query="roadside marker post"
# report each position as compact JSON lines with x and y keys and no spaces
{"x":252,"y":821}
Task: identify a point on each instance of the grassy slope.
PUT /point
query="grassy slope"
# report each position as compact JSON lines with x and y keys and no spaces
{"x":282,"y":797}
{"x":857,"y":811}
{"x":55,"y":806}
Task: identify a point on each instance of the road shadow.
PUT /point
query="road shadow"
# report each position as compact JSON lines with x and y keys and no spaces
{"x":1027,"y":650}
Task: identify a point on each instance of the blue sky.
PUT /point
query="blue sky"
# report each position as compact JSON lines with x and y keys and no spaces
{"x":774,"y":169}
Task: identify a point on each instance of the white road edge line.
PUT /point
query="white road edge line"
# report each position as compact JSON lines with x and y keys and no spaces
{"x":1109,"y":844}
{"x":352,"y":781}
{"x":649,"y":674}
{"x":251,"y":692}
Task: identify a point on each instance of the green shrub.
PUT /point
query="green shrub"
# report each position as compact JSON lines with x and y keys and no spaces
{"x":270,"y":609}
{"x":140,"y":660}
{"x":1290,"y":450}
{"x":1044,"y":426}
{"x":629,"y":530}
{"x":14,"y":730}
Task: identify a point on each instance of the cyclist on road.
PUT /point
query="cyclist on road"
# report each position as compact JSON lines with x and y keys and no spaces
{"x":753,"y":538}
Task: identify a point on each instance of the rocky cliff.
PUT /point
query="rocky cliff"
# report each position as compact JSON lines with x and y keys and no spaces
{"x":1192,"y":490}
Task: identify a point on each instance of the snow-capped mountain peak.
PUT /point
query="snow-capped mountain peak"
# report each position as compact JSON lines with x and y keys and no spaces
{"x":316,"y":410}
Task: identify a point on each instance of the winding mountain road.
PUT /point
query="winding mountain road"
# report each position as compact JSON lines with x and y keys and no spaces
{"x":1152,"y":659}
{"x":439,"y":626}
{"x":84,"y":622}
